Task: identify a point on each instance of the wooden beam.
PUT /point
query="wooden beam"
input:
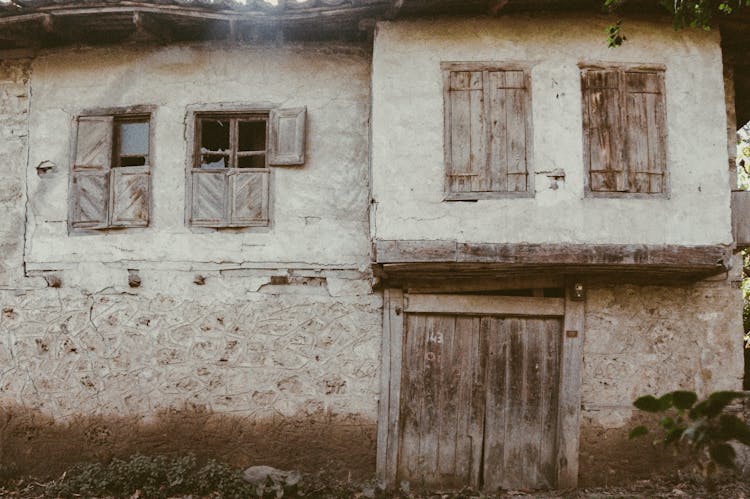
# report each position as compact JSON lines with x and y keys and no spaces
{"x":613,"y":256}
{"x":484,"y":305}
{"x":569,"y":419}
{"x":390,"y":387}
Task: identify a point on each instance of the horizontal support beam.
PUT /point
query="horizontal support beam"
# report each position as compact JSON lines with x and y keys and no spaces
{"x":428,"y":251}
{"x":484,"y":305}
{"x":414,"y":261}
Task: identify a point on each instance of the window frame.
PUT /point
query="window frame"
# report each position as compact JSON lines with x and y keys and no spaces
{"x":117,"y":115}
{"x":192,"y":127}
{"x":621,"y":69}
{"x":449,"y":67}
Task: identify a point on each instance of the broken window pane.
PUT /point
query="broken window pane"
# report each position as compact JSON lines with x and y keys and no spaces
{"x":215,"y":135}
{"x":252,"y":136}
{"x":214,"y":161}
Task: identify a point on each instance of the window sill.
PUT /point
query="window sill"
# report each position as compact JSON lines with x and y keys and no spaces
{"x":481,"y":196}
{"x":626,"y":195}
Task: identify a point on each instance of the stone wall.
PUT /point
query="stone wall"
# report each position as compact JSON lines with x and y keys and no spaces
{"x":644,"y":340}
{"x":279,"y":368}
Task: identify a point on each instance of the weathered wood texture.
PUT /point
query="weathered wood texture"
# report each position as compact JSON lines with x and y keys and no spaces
{"x":287,"y":143}
{"x":487,"y":130}
{"x":492,"y":305}
{"x":479,"y":400}
{"x":412,"y":259}
{"x":570,"y":391}
{"x":741,"y":218}
{"x":390,"y":386}
{"x":624,"y":129}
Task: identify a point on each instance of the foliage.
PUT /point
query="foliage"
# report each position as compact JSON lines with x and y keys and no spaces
{"x":156,"y":477}
{"x":703,"y":429}
{"x":685,"y":13}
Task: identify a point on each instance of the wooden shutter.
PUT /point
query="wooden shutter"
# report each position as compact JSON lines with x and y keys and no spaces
{"x":209,"y":198}
{"x":249,"y":197}
{"x":130,"y":196}
{"x":602,"y":130}
{"x":509,"y":131}
{"x":89,"y":192}
{"x":464,"y":131}
{"x":287,"y":145}
{"x":645,"y":148}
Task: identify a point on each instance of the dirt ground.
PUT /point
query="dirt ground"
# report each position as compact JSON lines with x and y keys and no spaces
{"x":675,"y":486}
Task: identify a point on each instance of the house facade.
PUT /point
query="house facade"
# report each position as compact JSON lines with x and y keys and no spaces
{"x":437,"y":245}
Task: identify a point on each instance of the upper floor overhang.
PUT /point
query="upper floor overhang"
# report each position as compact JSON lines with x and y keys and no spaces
{"x":406,"y":263}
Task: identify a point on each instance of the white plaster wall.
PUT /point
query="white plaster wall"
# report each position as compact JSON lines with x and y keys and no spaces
{"x":407,"y":133}
{"x":319,"y":210}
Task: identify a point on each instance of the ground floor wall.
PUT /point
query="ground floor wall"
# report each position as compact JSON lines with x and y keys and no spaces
{"x":290,"y":377}
{"x":287,"y":379}
{"x":651,"y":340}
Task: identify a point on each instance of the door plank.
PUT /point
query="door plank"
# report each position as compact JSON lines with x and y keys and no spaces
{"x":496,"y":353}
{"x":550,"y":386}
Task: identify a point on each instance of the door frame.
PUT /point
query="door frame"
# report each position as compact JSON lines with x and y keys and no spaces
{"x":396,"y":303}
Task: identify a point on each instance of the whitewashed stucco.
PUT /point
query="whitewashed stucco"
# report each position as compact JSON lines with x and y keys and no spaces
{"x":318,"y":211}
{"x":407,"y":133}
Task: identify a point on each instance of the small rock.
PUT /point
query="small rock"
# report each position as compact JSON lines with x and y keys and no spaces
{"x":368,"y":492}
{"x":259,"y":475}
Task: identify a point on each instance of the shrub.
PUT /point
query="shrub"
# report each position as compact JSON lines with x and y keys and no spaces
{"x":703,"y":429}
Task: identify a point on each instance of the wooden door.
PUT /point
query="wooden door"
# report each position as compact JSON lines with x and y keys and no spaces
{"x":479,"y":398}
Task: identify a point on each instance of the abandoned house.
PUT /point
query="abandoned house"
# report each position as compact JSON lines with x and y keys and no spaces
{"x":444,"y":242}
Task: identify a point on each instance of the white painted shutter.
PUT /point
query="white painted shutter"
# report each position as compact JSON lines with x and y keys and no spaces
{"x":130,"y":196}
{"x":249,"y":197}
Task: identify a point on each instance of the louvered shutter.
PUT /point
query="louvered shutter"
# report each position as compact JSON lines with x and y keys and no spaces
{"x":89,"y":197}
{"x":287,"y":141}
{"x":603,"y":131}
{"x":645,"y":149}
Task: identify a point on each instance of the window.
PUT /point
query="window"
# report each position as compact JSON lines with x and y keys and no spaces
{"x":111,"y":177}
{"x":624,"y":130}
{"x":229,"y":173}
{"x":487,"y":131}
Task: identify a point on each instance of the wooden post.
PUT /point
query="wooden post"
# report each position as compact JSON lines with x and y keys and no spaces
{"x":570,"y":390}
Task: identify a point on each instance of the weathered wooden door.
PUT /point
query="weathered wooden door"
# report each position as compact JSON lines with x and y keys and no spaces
{"x":479,"y":399}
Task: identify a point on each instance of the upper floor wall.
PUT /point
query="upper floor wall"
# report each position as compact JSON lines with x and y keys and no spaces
{"x":418,"y":64}
{"x":316,"y":212}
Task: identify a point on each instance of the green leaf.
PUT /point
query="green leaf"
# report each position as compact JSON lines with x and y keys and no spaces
{"x":717,"y":401}
{"x":684,"y":400}
{"x":665,"y":402}
{"x":722,"y":454}
{"x":698,"y":411}
{"x":733,"y":428}
{"x":638,"y":431}
{"x":667,"y":423}
{"x":647,"y":403}
{"x":673,"y":435}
